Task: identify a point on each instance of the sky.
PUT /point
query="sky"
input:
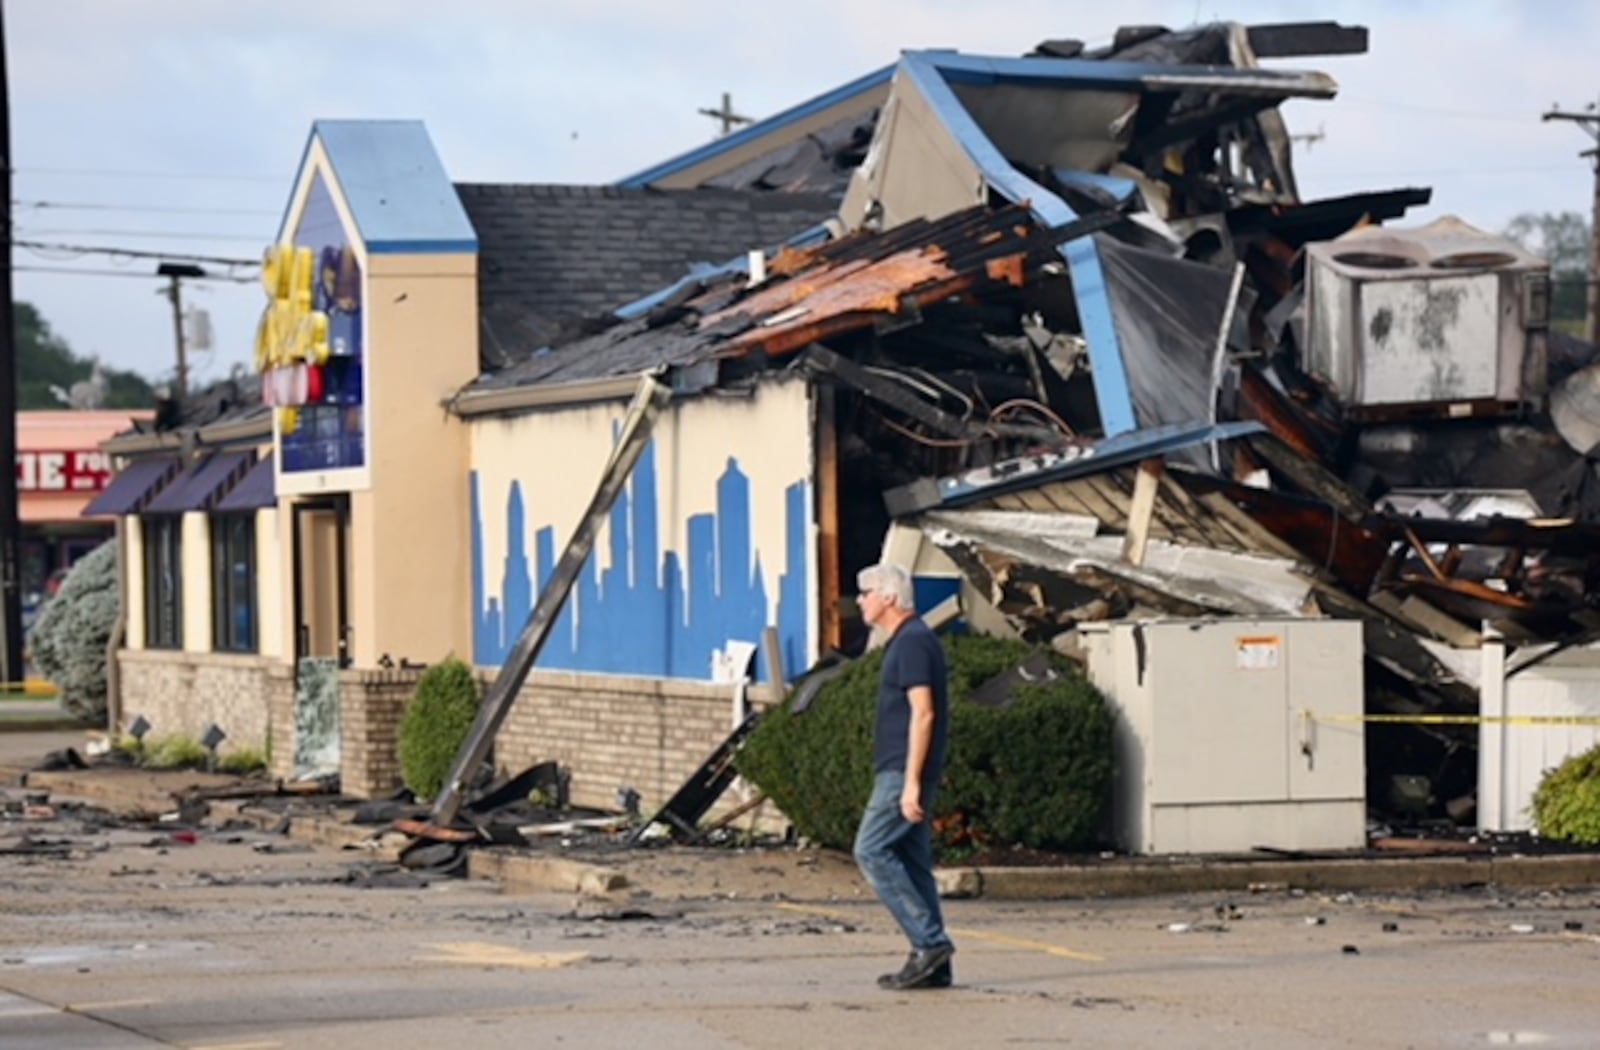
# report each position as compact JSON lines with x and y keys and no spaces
{"x":175,"y":126}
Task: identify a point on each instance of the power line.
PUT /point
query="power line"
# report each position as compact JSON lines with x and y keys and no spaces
{"x":1459,"y":114}
{"x":72,"y":271}
{"x":1521,"y":169}
{"x":135,"y":174}
{"x":187,"y":235}
{"x":155,"y":209}
{"x":131,"y":253}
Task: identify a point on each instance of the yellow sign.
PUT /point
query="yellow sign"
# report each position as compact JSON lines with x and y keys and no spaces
{"x":292,"y":331}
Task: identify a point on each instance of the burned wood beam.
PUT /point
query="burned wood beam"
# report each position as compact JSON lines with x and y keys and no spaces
{"x":1561,"y":536}
{"x":822,"y":363}
{"x":1312,"y":478}
{"x":1301,"y":39}
{"x":1192,"y":126}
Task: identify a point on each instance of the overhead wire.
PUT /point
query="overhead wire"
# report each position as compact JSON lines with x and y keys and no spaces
{"x":123,"y":173}
{"x":75,"y":250}
{"x":146,"y":275}
{"x":177,"y":235}
{"x":154,"y":209}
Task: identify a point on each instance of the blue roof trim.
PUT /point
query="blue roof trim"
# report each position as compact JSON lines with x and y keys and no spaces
{"x":843,"y":93}
{"x":398,"y":192}
{"x":1112,"y":391}
{"x":807,"y":238}
{"x":421,"y":247}
{"x":958,"y":490}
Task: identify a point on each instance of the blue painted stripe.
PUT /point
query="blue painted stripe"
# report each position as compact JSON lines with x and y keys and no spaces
{"x":749,"y":133}
{"x":422,"y":247}
{"x":925,"y":73}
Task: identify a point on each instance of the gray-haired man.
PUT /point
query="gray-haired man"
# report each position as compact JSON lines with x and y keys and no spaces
{"x":894,"y":845}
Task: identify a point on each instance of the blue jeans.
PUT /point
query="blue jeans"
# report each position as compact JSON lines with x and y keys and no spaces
{"x":896,"y":856}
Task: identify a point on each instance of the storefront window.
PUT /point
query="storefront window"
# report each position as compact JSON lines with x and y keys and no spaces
{"x":163,"y":582}
{"x":233,"y":583}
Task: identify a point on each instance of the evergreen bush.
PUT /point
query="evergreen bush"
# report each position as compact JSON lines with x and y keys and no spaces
{"x":68,"y":642}
{"x":1035,"y":772}
{"x":436,"y":724}
{"x":1566,"y":805}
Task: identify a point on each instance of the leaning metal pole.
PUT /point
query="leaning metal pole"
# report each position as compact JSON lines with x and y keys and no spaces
{"x":648,"y":401}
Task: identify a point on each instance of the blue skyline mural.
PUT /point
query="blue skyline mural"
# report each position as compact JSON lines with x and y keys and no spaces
{"x":651,"y":613}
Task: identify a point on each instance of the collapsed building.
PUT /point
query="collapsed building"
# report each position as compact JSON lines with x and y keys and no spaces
{"x":1071,"y":342}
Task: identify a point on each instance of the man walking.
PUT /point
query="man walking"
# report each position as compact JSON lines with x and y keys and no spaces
{"x":894,"y":846}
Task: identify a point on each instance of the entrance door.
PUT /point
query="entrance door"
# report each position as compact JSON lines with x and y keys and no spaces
{"x":322,"y":632}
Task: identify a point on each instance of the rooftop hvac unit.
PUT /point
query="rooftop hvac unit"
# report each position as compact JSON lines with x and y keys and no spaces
{"x":1445,"y":320}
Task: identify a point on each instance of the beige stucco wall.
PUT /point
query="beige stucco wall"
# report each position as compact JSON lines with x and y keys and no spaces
{"x":557,"y":455}
{"x":271,"y":599}
{"x":196,"y":563}
{"x":914,"y":168}
{"x":410,"y":544}
{"x":133,"y":569}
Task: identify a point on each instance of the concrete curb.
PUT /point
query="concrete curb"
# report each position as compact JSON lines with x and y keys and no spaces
{"x":1201,"y":876}
{"x":532,"y":872}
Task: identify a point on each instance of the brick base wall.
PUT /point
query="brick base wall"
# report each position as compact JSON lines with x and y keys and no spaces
{"x":371,"y":704}
{"x":610,"y":732}
{"x":180,"y":694}
{"x":613,"y":732}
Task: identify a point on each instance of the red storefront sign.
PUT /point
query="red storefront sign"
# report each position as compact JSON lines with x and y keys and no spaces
{"x":62,"y":470}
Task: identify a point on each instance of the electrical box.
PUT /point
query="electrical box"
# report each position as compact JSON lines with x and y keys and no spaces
{"x":1234,"y":735}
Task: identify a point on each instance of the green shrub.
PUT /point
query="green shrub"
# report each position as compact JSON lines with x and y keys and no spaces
{"x":174,"y":752}
{"x":1036,"y":772}
{"x":242,"y":760}
{"x":68,"y":642}
{"x":436,"y":724}
{"x":1566,"y":805}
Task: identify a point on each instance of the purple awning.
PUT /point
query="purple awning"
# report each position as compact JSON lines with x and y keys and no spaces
{"x":199,"y":488}
{"x":132,"y":488}
{"x":254,"y":491}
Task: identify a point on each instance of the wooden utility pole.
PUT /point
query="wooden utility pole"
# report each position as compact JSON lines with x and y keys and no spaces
{"x":175,"y":273}
{"x":726,"y":115}
{"x":1589,"y":121}
{"x":10,"y":545}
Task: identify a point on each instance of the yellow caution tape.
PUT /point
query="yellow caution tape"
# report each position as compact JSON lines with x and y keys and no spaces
{"x":1462,"y":720}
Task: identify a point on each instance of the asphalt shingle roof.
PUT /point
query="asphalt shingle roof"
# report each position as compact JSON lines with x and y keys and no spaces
{"x":551,"y":256}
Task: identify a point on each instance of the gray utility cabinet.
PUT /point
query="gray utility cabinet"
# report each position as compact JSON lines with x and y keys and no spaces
{"x":1234,"y":734}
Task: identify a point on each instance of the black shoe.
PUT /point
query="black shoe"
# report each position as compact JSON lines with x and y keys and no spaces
{"x":943,"y":977}
{"x":925,"y":968}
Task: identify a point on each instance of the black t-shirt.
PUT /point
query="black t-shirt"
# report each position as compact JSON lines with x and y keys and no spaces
{"x":914,"y":658}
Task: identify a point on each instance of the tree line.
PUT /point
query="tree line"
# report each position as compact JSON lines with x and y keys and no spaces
{"x":47,"y":369}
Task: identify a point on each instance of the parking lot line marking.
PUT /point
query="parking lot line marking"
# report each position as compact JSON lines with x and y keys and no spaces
{"x":110,"y":1004}
{"x":479,"y":953}
{"x":1022,"y":942}
{"x":976,"y":935}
